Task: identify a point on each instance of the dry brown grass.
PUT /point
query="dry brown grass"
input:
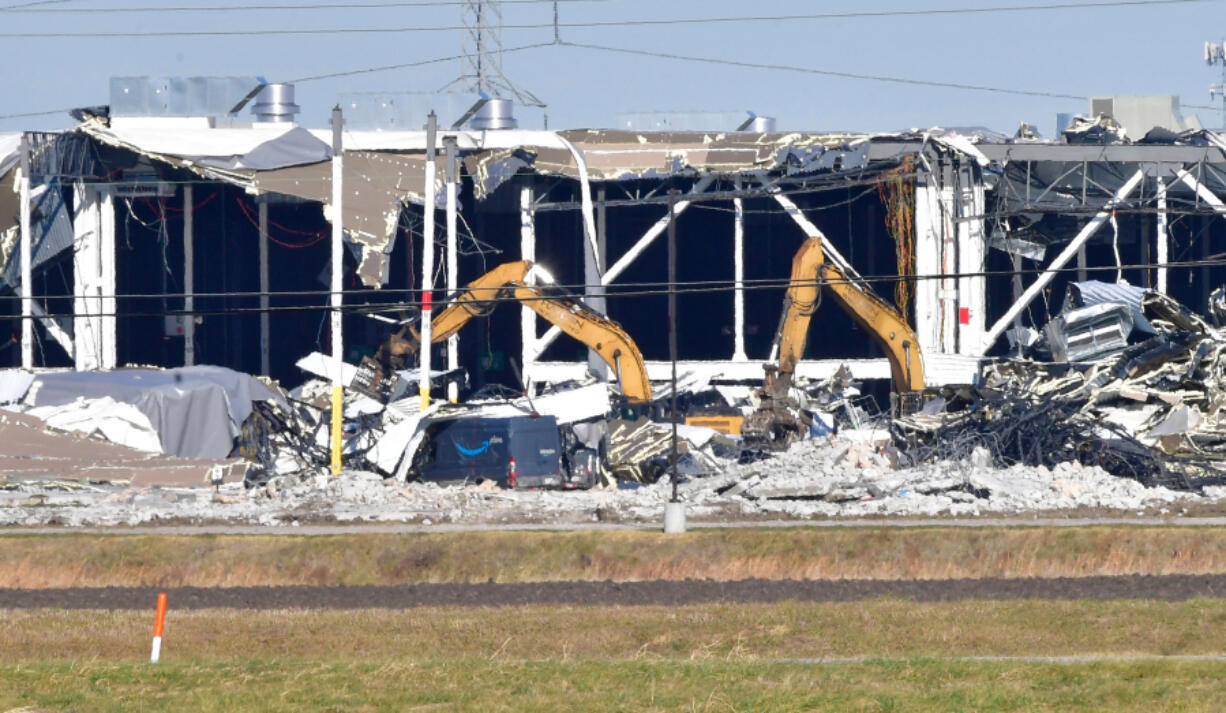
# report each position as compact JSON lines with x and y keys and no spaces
{"x":29,"y":561}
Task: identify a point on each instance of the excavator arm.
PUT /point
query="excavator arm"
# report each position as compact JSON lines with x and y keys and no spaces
{"x":776,"y":422}
{"x":888,"y":328}
{"x":519,"y":281}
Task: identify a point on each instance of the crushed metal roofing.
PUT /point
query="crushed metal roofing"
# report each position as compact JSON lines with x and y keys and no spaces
{"x":384,"y":170}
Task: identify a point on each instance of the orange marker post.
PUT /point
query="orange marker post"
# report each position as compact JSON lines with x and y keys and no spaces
{"x":158,"y":622}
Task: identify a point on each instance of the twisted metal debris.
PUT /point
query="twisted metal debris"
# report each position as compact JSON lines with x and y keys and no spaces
{"x":1152,"y":412}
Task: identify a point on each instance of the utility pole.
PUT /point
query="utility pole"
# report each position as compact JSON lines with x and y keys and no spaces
{"x":674,"y":510}
{"x":338,"y":264}
{"x":427,"y":262}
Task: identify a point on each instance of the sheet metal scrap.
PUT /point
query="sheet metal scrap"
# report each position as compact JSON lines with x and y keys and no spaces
{"x":1153,"y":411}
{"x":638,"y":450}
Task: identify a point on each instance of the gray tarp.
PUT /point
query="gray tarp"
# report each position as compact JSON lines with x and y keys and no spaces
{"x":196,"y":410}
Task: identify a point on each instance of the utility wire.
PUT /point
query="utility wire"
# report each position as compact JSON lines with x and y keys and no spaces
{"x":607,"y":23}
{"x":823,"y":72}
{"x":575,"y":291}
{"x":31,"y":9}
{"x":419,"y":63}
{"x":36,"y":113}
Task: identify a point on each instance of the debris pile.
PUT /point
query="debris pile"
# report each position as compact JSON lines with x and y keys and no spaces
{"x":1149,"y":406}
{"x":1116,"y":404}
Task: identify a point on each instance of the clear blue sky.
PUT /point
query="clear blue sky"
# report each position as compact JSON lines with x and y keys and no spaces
{"x":1106,"y":50}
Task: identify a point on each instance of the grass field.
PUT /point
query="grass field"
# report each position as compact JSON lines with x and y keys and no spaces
{"x":877,"y":655}
{"x":796,"y":553}
{"x":915,"y":686}
{"x":699,"y":658}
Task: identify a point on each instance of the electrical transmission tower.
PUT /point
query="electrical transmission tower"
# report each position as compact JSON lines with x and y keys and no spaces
{"x":482,"y":49}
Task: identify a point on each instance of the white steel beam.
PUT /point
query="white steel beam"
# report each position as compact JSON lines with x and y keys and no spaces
{"x":592,"y":289}
{"x":54,"y":330}
{"x":527,"y":251}
{"x":929,"y":229}
{"x":632,"y":254}
{"x":1163,"y":237}
{"x":27,"y":278}
{"x":1205,"y":194}
{"x":189,"y":275}
{"x":972,"y":261}
{"x":810,"y":230}
{"x":585,"y":195}
{"x":738,"y":273}
{"x":451,"y":158}
{"x":109,"y":303}
{"x":264,"y":302}
{"x":86,"y":274}
{"x":1061,"y":260}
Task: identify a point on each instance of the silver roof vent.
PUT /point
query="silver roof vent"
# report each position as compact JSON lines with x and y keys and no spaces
{"x":275,"y":104}
{"x":758,"y":124}
{"x":495,"y":114}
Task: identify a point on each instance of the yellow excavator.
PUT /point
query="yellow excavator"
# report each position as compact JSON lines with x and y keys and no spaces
{"x":779,"y":420}
{"x":527,"y":283}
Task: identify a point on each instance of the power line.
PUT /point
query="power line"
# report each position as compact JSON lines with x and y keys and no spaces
{"x":22,"y":7}
{"x":825,"y":72}
{"x":31,"y":9}
{"x":609,"y":23}
{"x":405,"y":65}
{"x":36,"y":113}
{"x":567,"y":291}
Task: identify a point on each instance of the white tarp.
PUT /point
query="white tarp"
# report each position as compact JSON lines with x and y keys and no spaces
{"x":321,"y":366}
{"x":112,"y":420}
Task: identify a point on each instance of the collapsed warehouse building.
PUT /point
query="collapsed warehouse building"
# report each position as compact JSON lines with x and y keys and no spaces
{"x":174,"y":240}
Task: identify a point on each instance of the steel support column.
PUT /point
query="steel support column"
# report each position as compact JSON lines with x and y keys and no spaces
{"x":738,"y":274}
{"x":1163,"y":237}
{"x":264,"y":302}
{"x":27,"y":278}
{"x":527,"y":318}
{"x":189,"y":276}
{"x":593,"y":267}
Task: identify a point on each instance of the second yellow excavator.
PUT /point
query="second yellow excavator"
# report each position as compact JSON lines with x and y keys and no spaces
{"x":779,"y":421}
{"x":528,"y":283}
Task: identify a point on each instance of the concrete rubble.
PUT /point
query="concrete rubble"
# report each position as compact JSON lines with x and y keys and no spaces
{"x":818,"y":478}
{"x":1136,"y":426}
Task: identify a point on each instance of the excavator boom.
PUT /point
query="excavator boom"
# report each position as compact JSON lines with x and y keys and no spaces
{"x":518,"y":281}
{"x":776,"y":422}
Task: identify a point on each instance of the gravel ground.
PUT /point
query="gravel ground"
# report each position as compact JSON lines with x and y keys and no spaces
{"x":1165,"y":588}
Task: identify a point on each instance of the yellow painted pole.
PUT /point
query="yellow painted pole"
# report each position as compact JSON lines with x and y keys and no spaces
{"x":338,"y":264}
